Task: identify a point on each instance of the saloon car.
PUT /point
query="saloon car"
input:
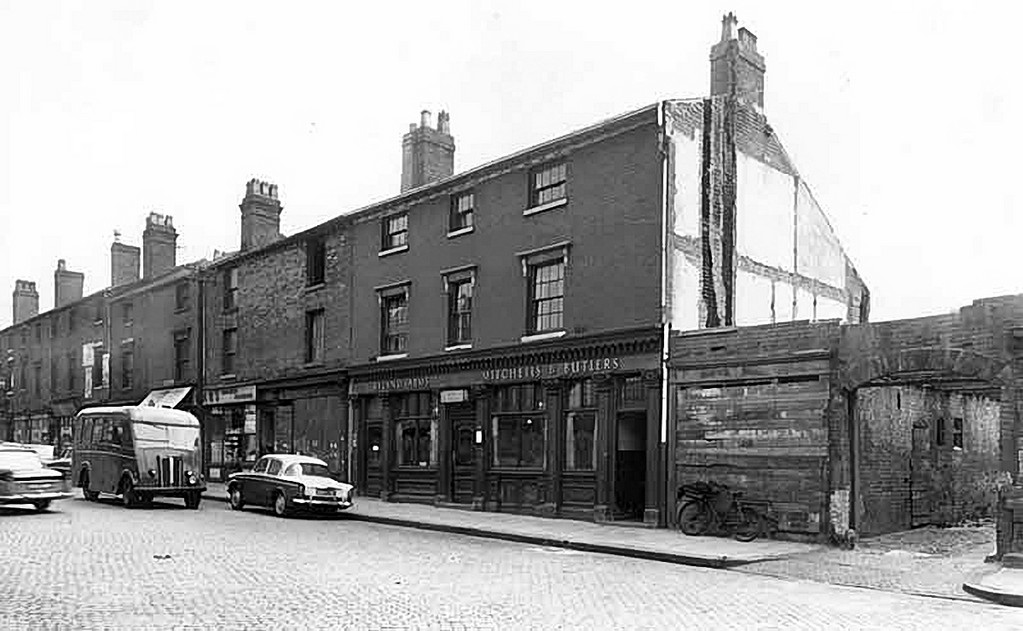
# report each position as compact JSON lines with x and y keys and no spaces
{"x":289,"y":482}
{"x":24,"y":479}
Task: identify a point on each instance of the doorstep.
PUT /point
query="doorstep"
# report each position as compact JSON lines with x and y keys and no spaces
{"x":657,"y":544}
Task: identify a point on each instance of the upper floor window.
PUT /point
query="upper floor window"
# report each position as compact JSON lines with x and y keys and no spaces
{"x":459,"y":293}
{"x":182,"y":296}
{"x":37,"y":377}
{"x":315,"y":260}
{"x":53,"y":374}
{"x":230,"y":288}
{"x":546,"y":296}
{"x":182,"y":355}
{"x":547,"y":184}
{"x":127,"y":365}
{"x":100,"y":368}
{"x":97,"y":312}
{"x":54,"y":322}
{"x":72,"y":319}
{"x":394,"y":321}
{"x":72,"y":370}
{"x":127,"y":313}
{"x":314,"y":336}
{"x":39,"y":332}
{"x":395,"y":234}
{"x":230,"y":348}
{"x":957,"y":433}
{"x":462,"y":207}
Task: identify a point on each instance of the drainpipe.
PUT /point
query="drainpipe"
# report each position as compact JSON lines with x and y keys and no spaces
{"x":200,"y":366}
{"x":664,"y":315}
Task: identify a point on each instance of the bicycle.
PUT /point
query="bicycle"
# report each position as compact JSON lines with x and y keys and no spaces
{"x":711,"y":506}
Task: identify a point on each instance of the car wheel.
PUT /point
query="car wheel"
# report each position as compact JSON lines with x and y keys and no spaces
{"x":128,"y":495}
{"x":192,"y":500}
{"x":42,"y":505}
{"x":235,"y":498}
{"x":280,"y":504}
{"x":144,"y":499}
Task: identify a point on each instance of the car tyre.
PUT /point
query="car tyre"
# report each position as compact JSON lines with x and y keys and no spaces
{"x":192,"y":500}
{"x":235,"y":499}
{"x":280,"y":505}
{"x":128,"y":495}
{"x":41,"y":505}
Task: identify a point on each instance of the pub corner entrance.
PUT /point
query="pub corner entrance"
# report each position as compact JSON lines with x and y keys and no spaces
{"x":630,"y":465}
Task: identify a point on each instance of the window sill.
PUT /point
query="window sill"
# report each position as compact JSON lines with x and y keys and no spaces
{"x":558,"y":203}
{"x":387,"y":358}
{"x":127,"y":324}
{"x":458,"y":347}
{"x":316,"y":364}
{"x":466,"y":230}
{"x":228,"y":377}
{"x":400,"y":248}
{"x":536,"y":337}
{"x":315,"y":287}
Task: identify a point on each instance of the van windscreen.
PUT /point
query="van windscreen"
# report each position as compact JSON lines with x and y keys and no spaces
{"x":177,"y":436}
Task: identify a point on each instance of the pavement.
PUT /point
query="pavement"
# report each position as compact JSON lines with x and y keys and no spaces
{"x":97,"y":565}
{"x":630,"y":541}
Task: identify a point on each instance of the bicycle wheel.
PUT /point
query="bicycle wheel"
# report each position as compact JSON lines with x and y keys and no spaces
{"x":693,"y":518}
{"x":747,"y":528}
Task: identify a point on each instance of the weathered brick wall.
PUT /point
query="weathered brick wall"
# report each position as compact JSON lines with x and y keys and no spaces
{"x":270,"y":314}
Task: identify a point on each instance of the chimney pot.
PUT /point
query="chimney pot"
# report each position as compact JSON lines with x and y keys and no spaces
{"x":424,"y":119}
{"x":428,"y":154}
{"x":261,"y":214}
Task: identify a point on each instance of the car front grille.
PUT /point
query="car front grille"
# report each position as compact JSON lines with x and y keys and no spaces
{"x":37,"y":486}
{"x":170,"y":471}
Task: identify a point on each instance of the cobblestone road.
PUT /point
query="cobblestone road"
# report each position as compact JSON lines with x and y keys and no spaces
{"x":99,"y":566}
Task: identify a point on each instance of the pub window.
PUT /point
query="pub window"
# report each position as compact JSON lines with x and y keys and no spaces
{"x":547,"y":184}
{"x":230,"y":347}
{"x":957,"y":433}
{"x":394,"y":320}
{"x":127,"y":365}
{"x":459,"y":287}
{"x":182,"y":355}
{"x":395,"y":232}
{"x":546,"y":296}
{"x":939,"y":432}
{"x":633,"y":392}
{"x":315,"y":261}
{"x":182,"y":296}
{"x":416,"y":429}
{"x":230,"y":288}
{"x":314,"y":336}
{"x":462,"y":207}
{"x":519,"y":427}
{"x":581,"y":427}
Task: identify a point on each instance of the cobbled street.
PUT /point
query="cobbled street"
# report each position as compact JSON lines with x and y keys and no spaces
{"x":100,"y":566}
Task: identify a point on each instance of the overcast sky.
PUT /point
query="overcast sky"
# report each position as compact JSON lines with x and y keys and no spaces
{"x":904,"y":120}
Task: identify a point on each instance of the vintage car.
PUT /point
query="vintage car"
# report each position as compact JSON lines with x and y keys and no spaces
{"x":60,"y":462}
{"x":24,"y":479}
{"x":288,"y":482}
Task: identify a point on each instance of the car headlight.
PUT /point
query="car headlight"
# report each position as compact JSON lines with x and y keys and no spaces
{"x":301,"y":490}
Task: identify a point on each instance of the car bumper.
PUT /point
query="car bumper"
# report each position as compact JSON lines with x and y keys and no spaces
{"x":170,"y":490}
{"x":28,"y":498}
{"x":321,"y":503}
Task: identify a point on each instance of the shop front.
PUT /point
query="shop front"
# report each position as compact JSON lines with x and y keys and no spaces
{"x":570,"y":430}
{"x":296,"y":416}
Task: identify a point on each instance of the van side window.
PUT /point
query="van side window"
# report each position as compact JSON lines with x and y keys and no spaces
{"x":98,"y":430}
{"x":115,"y":432}
{"x":85,"y":432}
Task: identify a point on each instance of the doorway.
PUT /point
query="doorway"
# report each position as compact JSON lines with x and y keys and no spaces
{"x":463,"y":451}
{"x":630,"y":465}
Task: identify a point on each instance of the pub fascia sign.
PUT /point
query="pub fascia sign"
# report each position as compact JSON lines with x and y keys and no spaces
{"x":533,"y":372}
{"x":229,"y":395}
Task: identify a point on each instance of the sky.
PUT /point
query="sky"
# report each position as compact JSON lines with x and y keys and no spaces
{"x":903,"y":117}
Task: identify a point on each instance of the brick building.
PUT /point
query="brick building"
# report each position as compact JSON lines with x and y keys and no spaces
{"x":133,"y":340}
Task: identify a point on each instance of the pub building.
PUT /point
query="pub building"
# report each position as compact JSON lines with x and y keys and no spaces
{"x":566,"y":430}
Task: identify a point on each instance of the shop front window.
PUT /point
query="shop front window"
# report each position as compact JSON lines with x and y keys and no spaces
{"x":581,"y":427}
{"x":416,"y":429}
{"x":519,"y":427}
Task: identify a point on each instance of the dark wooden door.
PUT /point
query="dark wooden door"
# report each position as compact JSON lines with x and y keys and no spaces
{"x":630,"y":465}
{"x":372,"y":457}
{"x":463,"y":452}
{"x":920,"y":467}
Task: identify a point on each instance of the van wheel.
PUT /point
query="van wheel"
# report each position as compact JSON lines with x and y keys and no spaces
{"x":280,"y":504}
{"x":88,"y":494}
{"x":42,"y":505}
{"x":128,"y":495}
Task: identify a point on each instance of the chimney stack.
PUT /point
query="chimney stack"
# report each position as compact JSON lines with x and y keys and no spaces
{"x":124,"y":263}
{"x":67,"y":285}
{"x":26,"y":300}
{"x":261,"y":214}
{"x":428,"y":154}
{"x":736,"y":68}
{"x":159,"y":245}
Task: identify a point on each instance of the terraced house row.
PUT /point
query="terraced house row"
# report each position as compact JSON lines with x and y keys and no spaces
{"x":499,"y":337}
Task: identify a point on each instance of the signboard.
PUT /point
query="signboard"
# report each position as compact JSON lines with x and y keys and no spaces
{"x":165,"y":398}
{"x":553,"y":371}
{"x":225,"y":396}
{"x":453,"y":396}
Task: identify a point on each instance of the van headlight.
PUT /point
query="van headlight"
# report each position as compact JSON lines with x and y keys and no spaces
{"x":190,"y":477}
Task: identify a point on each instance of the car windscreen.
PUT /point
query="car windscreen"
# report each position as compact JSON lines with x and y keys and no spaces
{"x":19,"y":460}
{"x":176,"y":436}
{"x":307,"y":468}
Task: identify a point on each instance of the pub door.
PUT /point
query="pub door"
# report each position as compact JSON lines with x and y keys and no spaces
{"x":373,"y":483}
{"x":463,"y":453}
{"x":630,"y":465}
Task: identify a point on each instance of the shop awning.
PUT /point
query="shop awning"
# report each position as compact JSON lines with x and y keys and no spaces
{"x":166,"y":398}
